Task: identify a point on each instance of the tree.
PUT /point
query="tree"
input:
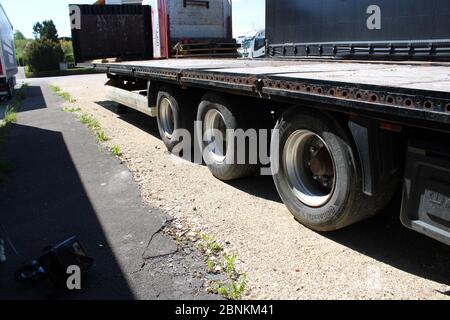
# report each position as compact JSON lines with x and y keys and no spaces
{"x":67,"y":48}
{"x":19,"y":35}
{"x":37,"y":30}
{"x":46,"y":29}
{"x":44,"y":55}
{"x":20,"y":42}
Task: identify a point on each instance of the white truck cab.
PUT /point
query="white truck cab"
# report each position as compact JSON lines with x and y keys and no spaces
{"x":254,"y":45}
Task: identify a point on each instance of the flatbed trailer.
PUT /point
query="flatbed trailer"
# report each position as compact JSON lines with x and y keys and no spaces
{"x":349,"y":133}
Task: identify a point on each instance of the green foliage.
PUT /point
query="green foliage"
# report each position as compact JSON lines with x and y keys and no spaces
{"x":10,"y":115}
{"x":19,"y":35}
{"x":43,"y":55}
{"x":116,"y":151}
{"x":20,"y":42}
{"x":45,"y":30}
{"x":234,"y":290}
{"x":67,"y":48}
{"x":211,"y":265}
{"x":230,"y":262}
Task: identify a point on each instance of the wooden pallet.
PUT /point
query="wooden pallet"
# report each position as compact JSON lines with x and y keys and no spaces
{"x":205,"y":49}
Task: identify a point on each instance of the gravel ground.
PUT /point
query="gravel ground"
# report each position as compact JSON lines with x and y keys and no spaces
{"x":376,"y":259}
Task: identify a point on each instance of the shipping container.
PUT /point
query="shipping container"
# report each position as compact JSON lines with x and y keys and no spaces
{"x":359,"y":28}
{"x":8,"y":62}
{"x":111,"y":31}
{"x":190,"y":20}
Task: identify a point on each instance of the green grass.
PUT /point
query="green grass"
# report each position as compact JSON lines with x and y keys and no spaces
{"x":92,"y":123}
{"x":234,"y":289}
{"x":116,"y":151}
{"x":10,"y":115}
{"x":64,"y":95}
{"x":87,"y":119}
{"x":13,"y":107}
{"x":235,"y":286}
{"x":71,"y":110}
{"x":230,"y":264}
{"x":209,"y":244}
{"x":211,"y":265}
{"x":101,"y":136}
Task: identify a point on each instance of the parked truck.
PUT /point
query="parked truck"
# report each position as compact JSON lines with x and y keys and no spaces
{"x":253,"y":45}
{"x":359,"y":95}
{"x":8,"y":62}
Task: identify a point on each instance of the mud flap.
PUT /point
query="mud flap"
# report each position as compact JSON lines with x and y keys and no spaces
{"x":426,"y":192}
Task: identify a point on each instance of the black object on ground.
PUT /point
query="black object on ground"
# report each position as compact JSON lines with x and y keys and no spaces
{"x":55,"y":262}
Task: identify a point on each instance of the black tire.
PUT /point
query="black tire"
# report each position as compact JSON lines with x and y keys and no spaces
{"x":347,"y":204}
{"x":11,"y":90}
{"x":182,"y":111}
{"x":227,"y":169}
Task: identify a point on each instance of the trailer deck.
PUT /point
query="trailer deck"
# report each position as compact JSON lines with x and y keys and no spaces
{"x":419,"y":92}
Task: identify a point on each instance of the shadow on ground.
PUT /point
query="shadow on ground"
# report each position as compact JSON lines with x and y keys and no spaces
{"x":383,"y":237}
{"x":34,"y":95}
{"x":42,"y":205}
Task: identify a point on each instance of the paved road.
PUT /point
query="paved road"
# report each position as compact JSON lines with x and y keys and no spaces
{"x":62,"y":185}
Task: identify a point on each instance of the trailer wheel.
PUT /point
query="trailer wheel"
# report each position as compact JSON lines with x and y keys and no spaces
{"x":11,"y":90}
{"x":172,"y":117}
{"x":317,"y":176}
{"x":216,"y":115}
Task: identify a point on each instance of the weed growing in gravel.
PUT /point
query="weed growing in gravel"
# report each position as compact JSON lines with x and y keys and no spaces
{"x":101,"y":136}
{"x":92,"y":123}
{"x":235,"y":286}
{"x":234,"y":290}
{"x":89,"y":121}
{"x":230,"y":262}
{"x":65,"y":95}
{"x":116,"y":151}
{"x":71,"y":110}
{"x":210,"y":244}
{"x":211,"y":265}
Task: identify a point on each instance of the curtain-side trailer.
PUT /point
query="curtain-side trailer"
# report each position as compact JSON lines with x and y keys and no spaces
{"x":8,"y":63}
{"x":349,"y":132}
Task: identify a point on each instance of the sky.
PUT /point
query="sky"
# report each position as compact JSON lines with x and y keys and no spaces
{"x":24,"y":13}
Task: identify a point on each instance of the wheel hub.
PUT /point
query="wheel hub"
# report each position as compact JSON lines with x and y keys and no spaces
{"x":215,"y":135}
{"x":309,"y":167}
{"x":167,"y":118}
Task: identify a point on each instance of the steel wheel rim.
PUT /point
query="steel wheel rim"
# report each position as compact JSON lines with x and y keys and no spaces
{"x":166,"y":117}
{"x":304,"y":168}
{"x":214,"y":124}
